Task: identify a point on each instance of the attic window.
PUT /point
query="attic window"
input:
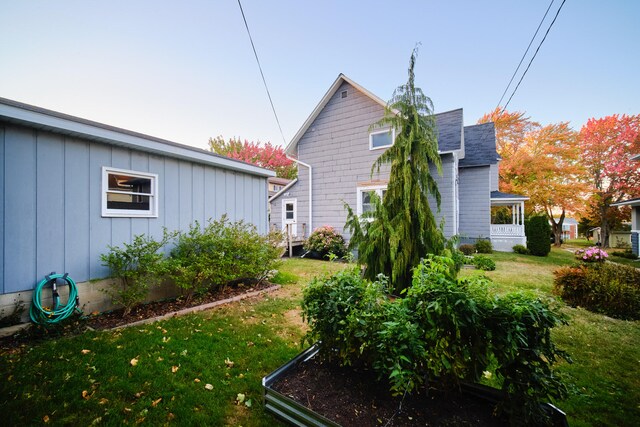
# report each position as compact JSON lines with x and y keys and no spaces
{"x":343,"y":94}
{"x":381,"y":139}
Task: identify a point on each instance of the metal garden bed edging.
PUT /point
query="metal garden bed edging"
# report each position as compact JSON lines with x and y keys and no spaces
{"x":299,"y":415}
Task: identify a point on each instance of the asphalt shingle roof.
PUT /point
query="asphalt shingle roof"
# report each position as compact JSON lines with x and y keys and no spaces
{"x":449,"y":130}
{"x":479,"y":146}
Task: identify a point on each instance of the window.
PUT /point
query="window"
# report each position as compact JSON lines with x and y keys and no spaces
{"x":129,"y":194}
{"x":365,"y":204}
{"x":381,"y":139}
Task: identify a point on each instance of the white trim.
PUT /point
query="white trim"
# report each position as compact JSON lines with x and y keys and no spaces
{"x":377,"y":188}
{"x":521,"y":199}
{"x":152,"y":212}
{"x":308,"y":166}
{"x":378,"y":132}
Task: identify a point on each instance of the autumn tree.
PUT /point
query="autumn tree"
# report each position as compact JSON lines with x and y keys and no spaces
{"x":267,"y":155}
{"x":607,"y":145}
{"x":541,"y":162}
{"x":403,"y":228}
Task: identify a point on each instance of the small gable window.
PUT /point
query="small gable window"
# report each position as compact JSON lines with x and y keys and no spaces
{"x":381,"y":139}
{"x":129,"y":194}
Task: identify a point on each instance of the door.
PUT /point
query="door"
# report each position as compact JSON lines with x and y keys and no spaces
{"x":290,"y":215}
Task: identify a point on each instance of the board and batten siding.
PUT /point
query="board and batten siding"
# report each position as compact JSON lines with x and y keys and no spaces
{"x":475,"y":204}
{"x":50,"y":203}
{"x":336,"y":145}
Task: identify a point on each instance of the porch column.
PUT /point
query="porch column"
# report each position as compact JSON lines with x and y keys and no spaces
{"x":522,"y":215}
{"x":513,"y":214}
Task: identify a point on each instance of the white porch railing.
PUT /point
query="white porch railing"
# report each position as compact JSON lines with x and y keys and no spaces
{"x":514,"y":230}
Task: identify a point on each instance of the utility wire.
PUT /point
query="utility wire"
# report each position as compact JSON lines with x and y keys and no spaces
{"x":534,"y":55}
{"x":261,"y":73}
{"x":525,"y":54}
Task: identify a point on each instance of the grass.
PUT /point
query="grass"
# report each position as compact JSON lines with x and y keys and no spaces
{"x":233,"y":347}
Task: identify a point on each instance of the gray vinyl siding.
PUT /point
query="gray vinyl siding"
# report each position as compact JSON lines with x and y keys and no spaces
{"x":494,"y":177}
{"x":475,"y":203}
{"x":336,"y":145}
{"x":50,"y":203}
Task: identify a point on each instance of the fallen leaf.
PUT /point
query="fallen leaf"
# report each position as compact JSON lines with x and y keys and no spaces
{"x":127,"y":410}
{"x":45,"y":418}
{"x":134,"y":361}
{"x":248,"y":403}
{"x":241,"y":376}
{"x":86,"y":395}
{"x":160,"y":359}
{"x":139,"y":394}
{"x":174,"y":369}
{"x":96,"y":421}
{"x":85,"y":351}
{"x":103,"y":401}
{"x":250,"y":344}
{"x":183,"y":353}
{"x":208,"y":387}
{"x":155,"y":402}
{"x":228,"y":362}
{"x":197,"y":380}
{"x":170,"y":416}
{"x":240,"y":398}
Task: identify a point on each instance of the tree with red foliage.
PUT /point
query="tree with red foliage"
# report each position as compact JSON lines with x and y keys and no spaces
{"x":266,"y":155}
{"x":607,"y":145}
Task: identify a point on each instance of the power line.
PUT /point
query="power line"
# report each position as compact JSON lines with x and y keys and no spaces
{"x":525,"y":54}
{"x":261,"y":73}
{"x":534,"y":55}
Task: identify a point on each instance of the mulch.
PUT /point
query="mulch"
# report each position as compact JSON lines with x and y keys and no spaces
{"x":113,"y":319}
{"x":353,"y":397}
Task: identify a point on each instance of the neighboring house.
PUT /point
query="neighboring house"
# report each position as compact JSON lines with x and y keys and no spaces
{"x":335,"y":149}
{"x":276,"y":184}
{"x":569,"y":228}
{"x":70,"y":187}
{"x":635,"y":217}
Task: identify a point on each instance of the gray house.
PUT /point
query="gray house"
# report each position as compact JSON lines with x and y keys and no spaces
{"x":635,"y":217}
{"x":70,"y":187}
{"x":335,"y":150}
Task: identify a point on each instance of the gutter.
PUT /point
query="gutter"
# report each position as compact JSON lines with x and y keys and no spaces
{"x":306,"y":165}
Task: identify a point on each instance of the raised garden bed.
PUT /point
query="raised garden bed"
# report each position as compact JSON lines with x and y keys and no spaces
{"x":308,"y":392}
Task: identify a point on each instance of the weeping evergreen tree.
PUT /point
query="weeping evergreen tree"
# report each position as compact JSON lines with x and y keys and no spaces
{"x":401,"y":229}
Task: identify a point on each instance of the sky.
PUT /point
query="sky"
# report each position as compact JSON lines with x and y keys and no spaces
{"x":185,"y":70}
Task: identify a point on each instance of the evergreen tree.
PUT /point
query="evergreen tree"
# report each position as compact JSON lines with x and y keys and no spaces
{"x":403,"y":228}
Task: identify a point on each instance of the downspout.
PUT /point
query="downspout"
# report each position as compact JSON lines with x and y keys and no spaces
{"x":306,"y":165}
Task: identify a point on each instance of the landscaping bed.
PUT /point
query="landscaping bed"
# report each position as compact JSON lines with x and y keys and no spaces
{"x":353,"y":397}
{"x":113,"y":319}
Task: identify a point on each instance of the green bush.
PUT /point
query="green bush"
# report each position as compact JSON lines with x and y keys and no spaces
{"x":442,"y":329}
{"x":521,"y":249}
{"x":326,"y":240}
{"x":608,"y":288}
{"x":538,"y":230}
{"x":467,"y":249}
{"x":484,"y":247}
{"x":137,"y":266}
{"x":483,"y":263}
{"x":627,"y":253}
{"x":219,"y":253}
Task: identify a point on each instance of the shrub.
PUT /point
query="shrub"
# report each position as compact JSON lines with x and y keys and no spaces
{"x":483,"y":263}
{"x":592,"y":254}
{"x":608,"y":288}
{"x":521,"y":249}
{"x":627,"y":253}
{"x":484,"y":247}
{"x":467,"y":249}
{"x":537,"y":230}
{"x":137,"y":266}
{"x":443,"y":329}
{"x":219,"y":253}
{"x":326,"y":240}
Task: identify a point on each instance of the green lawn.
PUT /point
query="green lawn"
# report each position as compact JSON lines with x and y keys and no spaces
{"x":90,"y":379}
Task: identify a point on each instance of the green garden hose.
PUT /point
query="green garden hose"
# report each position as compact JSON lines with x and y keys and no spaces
{"x":40,"y":314}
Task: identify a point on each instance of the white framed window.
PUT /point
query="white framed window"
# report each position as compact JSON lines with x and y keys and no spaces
{"x":128,"y":193}
{"x":365,"y":204}
{"x":381,"y":139}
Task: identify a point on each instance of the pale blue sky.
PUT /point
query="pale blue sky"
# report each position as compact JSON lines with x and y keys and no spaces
{"x":185,"y":71}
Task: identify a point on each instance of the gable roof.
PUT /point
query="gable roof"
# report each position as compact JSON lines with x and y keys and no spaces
{"x":449,"y":123}
{"x":53,"y":121}
{"x":479,"y":146}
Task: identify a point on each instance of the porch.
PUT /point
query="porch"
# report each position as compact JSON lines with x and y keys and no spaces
{"x":507,"y":221}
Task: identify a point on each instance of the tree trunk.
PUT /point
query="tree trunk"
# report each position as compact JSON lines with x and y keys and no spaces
{"x":557,"y":230}
{"x":604,"y":227}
